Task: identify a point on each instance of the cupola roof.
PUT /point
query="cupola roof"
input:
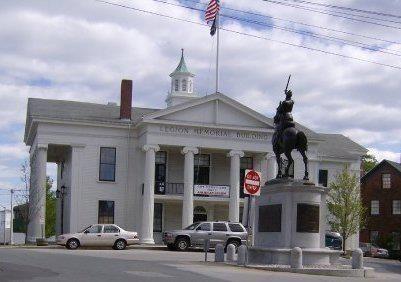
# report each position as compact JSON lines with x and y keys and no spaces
{"x":182,"y":67}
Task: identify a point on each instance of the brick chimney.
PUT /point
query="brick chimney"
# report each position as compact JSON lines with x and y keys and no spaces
{"x":126,"y":99}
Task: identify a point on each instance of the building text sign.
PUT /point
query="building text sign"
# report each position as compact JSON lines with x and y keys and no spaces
{"x":213,"y":132}
{"x":212,"y":190}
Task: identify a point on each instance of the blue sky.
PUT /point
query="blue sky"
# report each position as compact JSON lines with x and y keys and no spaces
{"x":80,"y":50}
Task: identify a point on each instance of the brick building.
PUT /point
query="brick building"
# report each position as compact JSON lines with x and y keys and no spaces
{"x":381,"y":195}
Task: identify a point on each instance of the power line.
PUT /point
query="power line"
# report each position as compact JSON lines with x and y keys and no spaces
{"x":345,"y":8}
{"x":331,"y":14}
{"x":250,"y":35}
{"x":337,"y":13}
{"x":301,"y":23}
{"x":293,"y":30}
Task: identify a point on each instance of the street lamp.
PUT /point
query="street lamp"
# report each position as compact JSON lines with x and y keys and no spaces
{"x":60,"y":192}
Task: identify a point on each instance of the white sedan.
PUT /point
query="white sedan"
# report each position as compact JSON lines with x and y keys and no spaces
{"x":105,"y":235}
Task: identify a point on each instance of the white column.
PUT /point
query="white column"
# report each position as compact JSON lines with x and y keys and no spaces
{"x":233,"y":210}
{"x":188,"y":202}
{"x":74,"y":191}
{"x":146,"y":235}
{"x":37,"y":193}
{"x":271,"y":167}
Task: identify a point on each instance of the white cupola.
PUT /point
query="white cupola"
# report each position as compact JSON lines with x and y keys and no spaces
{"x":182,"y":84}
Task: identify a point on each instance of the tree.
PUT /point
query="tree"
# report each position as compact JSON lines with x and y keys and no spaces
{"x":50,"y":209}
{"x":368,"y":162}
{"x":347,"y":214}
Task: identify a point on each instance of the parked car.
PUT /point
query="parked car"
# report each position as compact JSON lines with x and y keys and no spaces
{"x":379,"y":252}
{"x":373,"y":250}
{"x":334,"y":241}
{"x":99,"y":235}
{"x":221,"y":232}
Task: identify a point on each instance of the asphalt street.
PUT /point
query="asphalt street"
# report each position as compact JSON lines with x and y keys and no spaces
{"x":136,"y":264}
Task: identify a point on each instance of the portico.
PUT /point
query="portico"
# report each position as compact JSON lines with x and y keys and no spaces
{"x":187,"y":178}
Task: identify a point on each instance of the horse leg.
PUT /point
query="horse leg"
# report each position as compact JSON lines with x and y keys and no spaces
{"x":305,"y":158}
{"x":290,"y":161}
{"x":278,"y":160}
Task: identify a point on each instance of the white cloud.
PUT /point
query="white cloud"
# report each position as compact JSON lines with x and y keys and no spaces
{"x":388,"y":155}
{"x":16,"y":150}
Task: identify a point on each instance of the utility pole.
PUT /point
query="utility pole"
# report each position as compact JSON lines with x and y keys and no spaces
{"x":4,"y":224}
{"x":11,"y":218}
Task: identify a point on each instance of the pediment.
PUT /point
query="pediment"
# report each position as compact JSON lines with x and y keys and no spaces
{"x":216,"y":109}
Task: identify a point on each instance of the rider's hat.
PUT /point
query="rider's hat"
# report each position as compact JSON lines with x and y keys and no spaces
{"x":288,"y":93}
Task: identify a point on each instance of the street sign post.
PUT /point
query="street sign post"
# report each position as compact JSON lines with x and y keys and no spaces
{"x":252,"y":181}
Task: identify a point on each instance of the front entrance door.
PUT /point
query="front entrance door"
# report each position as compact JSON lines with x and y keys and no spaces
{"x":200,"y":217}
{"x":200,"y":214}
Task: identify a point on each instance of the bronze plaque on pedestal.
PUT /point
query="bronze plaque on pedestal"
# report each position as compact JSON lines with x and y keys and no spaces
{"x":270,"y":218}
{"x":307,"y":218}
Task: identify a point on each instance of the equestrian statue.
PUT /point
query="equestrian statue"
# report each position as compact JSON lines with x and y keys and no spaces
{"x":286,"y":137}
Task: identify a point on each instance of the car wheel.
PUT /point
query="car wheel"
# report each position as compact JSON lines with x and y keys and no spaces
{"x":72,"y":244}
{"x":182,"y":244}
{"x":236,"y":244}
{"x":120,"y":245}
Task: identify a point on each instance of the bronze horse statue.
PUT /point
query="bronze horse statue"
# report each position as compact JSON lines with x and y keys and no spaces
{"x":287,"y":138}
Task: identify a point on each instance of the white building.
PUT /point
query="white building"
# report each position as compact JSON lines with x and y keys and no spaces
{"x":5,"y":225}
{"x":137,"y":167}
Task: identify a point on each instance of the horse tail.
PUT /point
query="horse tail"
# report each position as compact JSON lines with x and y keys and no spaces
{"x":302,"y":141}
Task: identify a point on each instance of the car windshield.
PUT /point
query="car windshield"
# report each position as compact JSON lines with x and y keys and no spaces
{"x":192,"y":226}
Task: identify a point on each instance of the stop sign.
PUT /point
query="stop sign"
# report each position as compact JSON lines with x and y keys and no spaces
{"x":252,"y":182}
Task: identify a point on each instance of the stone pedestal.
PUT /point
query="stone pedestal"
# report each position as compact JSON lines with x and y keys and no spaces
{"x":289,"y":214}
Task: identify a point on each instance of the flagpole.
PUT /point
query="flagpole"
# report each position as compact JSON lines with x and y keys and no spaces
{"x":217,"y":51}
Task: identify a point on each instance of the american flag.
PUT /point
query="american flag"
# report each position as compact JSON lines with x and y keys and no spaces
{"x":212,"y":10}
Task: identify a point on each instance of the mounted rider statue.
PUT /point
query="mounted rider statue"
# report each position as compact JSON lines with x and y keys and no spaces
{"x":286,"y":137}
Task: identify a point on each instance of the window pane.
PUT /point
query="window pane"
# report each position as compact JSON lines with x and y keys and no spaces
{"x":158,"y":217}
{"x":386,"y":181}
{"x":108,"y":155}
{"x":106,"y":212}
{"x":176,"y":85}
{"x":246,"y":163}
{"x":184,"y":85}
{"x":107,"y":166}
{"x":107,"y":172}
{"x":219,"y":227}
{"x":235,"y":227}
{"x":94,"y":229}
{"x":110,"y":229}
{"x":374,"y":236}
{"x":397,"y":207}
{"x":202,"y":160}
{"x":323,"y":177}
{"x":201,"y":175}
{"x":396,"y":240}
{"x":204,"y":227}
{"x":160,"y":157}
{"x":374,"y":207}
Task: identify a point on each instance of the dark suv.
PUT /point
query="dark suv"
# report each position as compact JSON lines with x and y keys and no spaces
{"x":219,"y":232}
